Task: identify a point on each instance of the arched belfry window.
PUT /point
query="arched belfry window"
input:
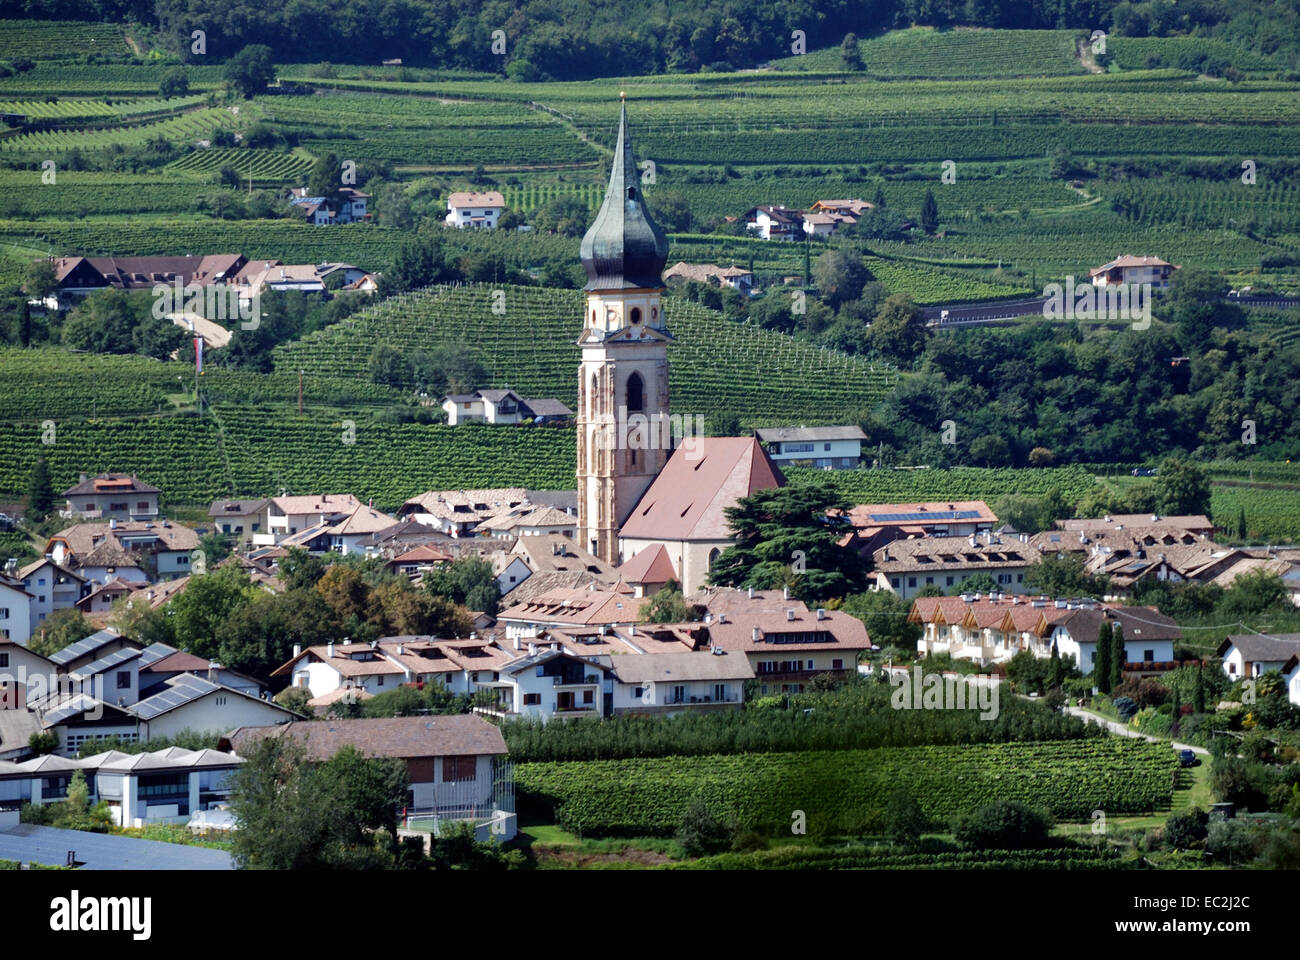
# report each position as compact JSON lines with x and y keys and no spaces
{"x":636,"y":314}
{"x":592,"y":397}
{"x":635,"y":394}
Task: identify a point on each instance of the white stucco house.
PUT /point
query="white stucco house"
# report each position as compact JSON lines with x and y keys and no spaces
{"x":475,"y":210}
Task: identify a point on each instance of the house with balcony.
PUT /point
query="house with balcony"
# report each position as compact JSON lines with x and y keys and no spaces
{"x":456,"y":764}
{"x":551,"y":683}
{"x":668,"y":683}
{"x":136,"y":551}
{"x":165,"y":786}
{"x":582,"y":607}
{"x":832,"y":448}
{"x":289,"y":515}
{"x":786,"y":643}
{"x":775,"y":222}
{"x":239,"y":519}
{"x":118,"y":495}
{"x":1127,"y":269}
{"x":456,"y":513}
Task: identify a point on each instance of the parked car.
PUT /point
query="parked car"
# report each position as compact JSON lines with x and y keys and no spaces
{"x":1143,"y":472}
{"x":1186,"y":758}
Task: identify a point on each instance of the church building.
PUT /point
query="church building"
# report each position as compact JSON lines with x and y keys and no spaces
{"x":636,"y":492}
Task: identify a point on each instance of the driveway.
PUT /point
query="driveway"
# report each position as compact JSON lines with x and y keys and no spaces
{"x":1125,"y":731}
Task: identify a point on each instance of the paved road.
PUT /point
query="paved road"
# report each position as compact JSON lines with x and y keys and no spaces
{"x":1126,"y":731}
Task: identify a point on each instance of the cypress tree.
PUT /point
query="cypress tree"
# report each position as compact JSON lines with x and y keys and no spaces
{"x":1101,"y":665}
{"x":929,"y":213}
{"x":40,"y":491}
{"x":1198,"y":691}
{"x":1241,"y":524}
{"x":1054,"y":671}
{"x":1118,"y":656}
{"x":1177,"y":703}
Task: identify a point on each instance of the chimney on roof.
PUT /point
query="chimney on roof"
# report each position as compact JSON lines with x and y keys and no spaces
{"x":751,"y":593}
{"x":214,"y":670}
{"x":757,"y":635}
{"x":722,"y":617}
{"x":789,"y":614}
{"x":1106,"y":518}
{"x":329,"y":649}
{"x":532,"y":649}
{"x":631,"y":629}
{"x":297,"y":650}
{"x":401,"y":649}
{"x":785,"y":593}
{"x":821,"y":613}
{"x":83,"y":478}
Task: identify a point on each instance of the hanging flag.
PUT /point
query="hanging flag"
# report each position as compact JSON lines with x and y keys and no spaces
{"x":198,"y":355}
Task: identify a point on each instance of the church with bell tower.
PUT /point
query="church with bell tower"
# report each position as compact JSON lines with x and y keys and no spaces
{"x":623,"y":374}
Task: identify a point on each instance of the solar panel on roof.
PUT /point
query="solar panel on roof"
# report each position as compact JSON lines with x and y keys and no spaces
{"x":182,"y":691}
{"x":927,"y":515}
{"x":107,"y":662}
{"x":83,"y":646}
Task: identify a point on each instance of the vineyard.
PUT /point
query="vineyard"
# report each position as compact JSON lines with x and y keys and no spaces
{"x":527,"y":199}
{"x":847,"y":789}
{"x":255,"y":451}
{"x":871,"y":858}
{"x":958,"y":483}
{"x":1137,"y":53}
{"x":54,"y":39}
{"x":924,"y":52}
{"x":1272,"y":514}
{"x":716,"y":365}
{"x":78,"y":194}
{"x":188,"y":127}
{"x":259,"y":164}
{"x":1267,"y":206}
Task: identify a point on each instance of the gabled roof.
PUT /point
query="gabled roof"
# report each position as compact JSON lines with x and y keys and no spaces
{"x":25,"y":572}
{"x":362,"y":520}
{"x":941,"y":512}
{"x":236,"y":508}
{"x":405,"y":737}
{"x":650,"y":565}
{"x":329,"y":504}
{"x":186,"y":689}
{"x":582,"y":606}
{"x":1258,"y":648}
{"x":466,"y":198}
{"x":701,"y":479}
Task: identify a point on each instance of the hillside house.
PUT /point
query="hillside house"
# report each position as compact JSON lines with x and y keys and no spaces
{"x":775,"y":223}
{"x":350,"y":207}
{"x":457,"y":512}
{"x":475,"y":210}
{"x":501,"y":406}
{"x":15,"y":610}
{"x":239,"y":518}
{"x":78,"y":277}
{"x":835,"y":448}
{"x":51,"y":586}
{"x":737,"y":278}
{"x":111,"y":495}
{"x":104,"y":551}
{"x":1253,"y":655}
{"x":1127,"y":269}
{"x":288,"y":515}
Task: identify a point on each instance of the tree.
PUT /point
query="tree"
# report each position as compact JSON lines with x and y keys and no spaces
{"x":1254,"y":593}
{"x":297,"y":814}
{"x":840,"y":276}
{"x":40,"y":491}
{"x":879,"y":199}
{"x":980,"y":582}
{"x":174,"y":83}
{"x":1055,"y":673}
{"x":59,"y":629}
{"x":1059,"y":575}
{"x":905,"y":821}
{"x":1004,"y":825}
{"x":43,"y":742}
{"x":885,"y":615}
{"x":103,"y":323}
{"x":326,"y":177}
{"x":700,"y":833}
{"x":784,"y":535}
{"x":1196,"y":306}
{"x":1118,"y":655}
{"x":929,"y":213}
{"x":1182,"y":487}
{"x":250,"y":71}
{"x":156,"y":337}
{"x":1198,"y":691}
{"x":207,"y":602}
{"x":1183,"y":831}
{"x":669,"y":606}
{"x":388,"y":367}
{"x":299,"y":569}
{"x":215,"y":547}
{"x":898,"y":331}
{"x":40,"y":280}
{"x":990,"y":450}
{"x":849,"y":52}
{"x":1101,"y":663}
{"x":1241,"y":523}
{"x":469,"y":581}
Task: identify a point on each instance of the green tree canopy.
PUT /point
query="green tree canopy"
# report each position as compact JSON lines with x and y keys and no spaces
{"x":250,"y":71}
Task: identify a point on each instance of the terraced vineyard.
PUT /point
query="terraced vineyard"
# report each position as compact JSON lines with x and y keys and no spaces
{"x":253,"y":451}
{"x":1138,"y":53}
{"x":716,"y":366}
{"x":187,"y":127}
{"x":963,"y":483}
{"x":847,"y":789}
{"x":928,"y":286}
{"x":260,"y":164}
{"x":925,"y":52}
{"x":78,"y":194}
{"x":884,"y":858}
{"x":100,"y":80}
{"x":54,"y":39}
{"x":528,"y":198}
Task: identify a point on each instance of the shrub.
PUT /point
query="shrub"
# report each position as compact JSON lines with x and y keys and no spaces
{"x":700,"y":833}
{"x":904,"y":819}
{"x":1183,"y":831}
{"x":1004,"y":825}
{"x":1125,"y":707}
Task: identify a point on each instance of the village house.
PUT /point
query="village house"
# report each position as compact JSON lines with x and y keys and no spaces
{"x":456,"y":764}
{"x":668,"y":683}
{"x":457,"y":513}
{"x":111,"y":495}
{"x":1253,"y":655}
{"x":103,"y":551}
{"x":737,"y":278}
{"x":289,"y":515}
{"x":775,"y":223}
{"x":586,"y":607}
{"x":239,"y":518}
{"x":905,"y":566}
{"x":876,"y":524}
{"x":838,"y":448}
{"x":1128,"y":269}
{"x":51,"y":586}
{"x":15,"y":610}
{"x":164,"y":786}
{"x":78,"y":277}
{"x":649,"y":571}
{"x":529,"y":520}
{"x":350,"y":207}
{"x":475,"y":210}
{"x":501,"y":406}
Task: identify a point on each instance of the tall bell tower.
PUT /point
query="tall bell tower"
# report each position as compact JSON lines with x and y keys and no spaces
{"x":623,"y":375}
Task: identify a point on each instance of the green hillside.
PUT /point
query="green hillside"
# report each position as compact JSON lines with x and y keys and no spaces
{"x":716,"y":365}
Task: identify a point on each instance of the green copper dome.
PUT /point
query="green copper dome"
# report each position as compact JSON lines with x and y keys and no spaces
{"x":624,"y":248}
